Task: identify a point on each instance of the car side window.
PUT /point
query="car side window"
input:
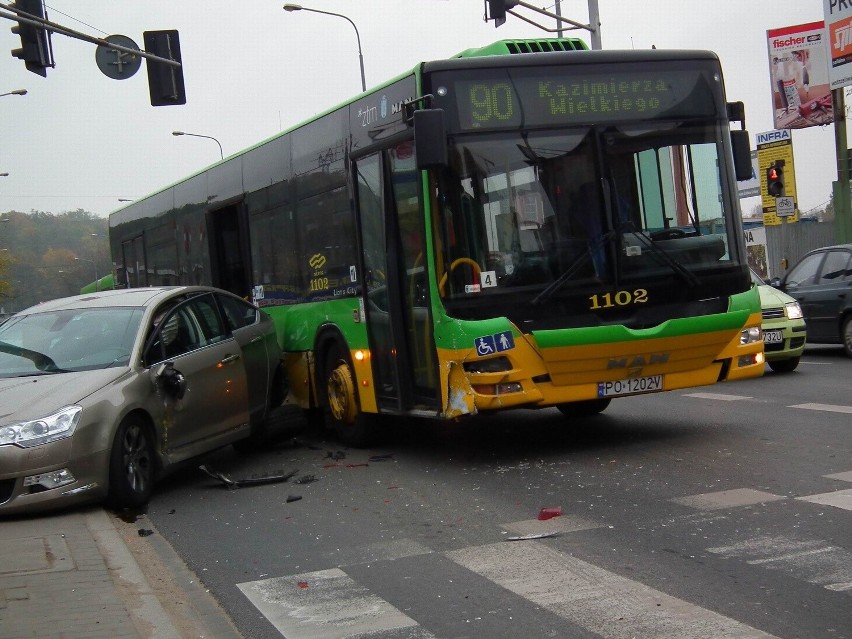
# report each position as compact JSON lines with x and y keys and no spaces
{"x":180,"y":333}
{"x":238,"y":314}
{"x":836,"y":267}
{"x":805,"y":272}
{"x":205,"y":311}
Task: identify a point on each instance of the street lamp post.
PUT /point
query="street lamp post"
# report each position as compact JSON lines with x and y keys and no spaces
{"x":15,"y":92}
{"x":197,"y":135}
{"x":296,"y":7}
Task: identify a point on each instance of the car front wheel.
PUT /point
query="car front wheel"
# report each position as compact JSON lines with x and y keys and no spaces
{"x":131,"y":467}
{"x":784,"y":365}
{"x":846,"y":336}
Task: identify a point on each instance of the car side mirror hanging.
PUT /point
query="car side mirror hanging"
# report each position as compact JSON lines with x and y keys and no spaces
{"x":171,"y":380}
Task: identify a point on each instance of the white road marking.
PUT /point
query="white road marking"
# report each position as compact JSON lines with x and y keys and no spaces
{"x":326,"y":604}
{"x":563,"y":523}
{"x":838,"y":499}
{"x":720,"y":396}
{"x":727,"y":499}
{"x":826,"y":407}
{"x":847,"y":476}
{"x":813,"y":560}
{"x":605,"y":603}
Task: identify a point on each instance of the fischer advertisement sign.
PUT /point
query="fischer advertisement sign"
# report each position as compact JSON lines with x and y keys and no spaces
{"x":798,"y":72}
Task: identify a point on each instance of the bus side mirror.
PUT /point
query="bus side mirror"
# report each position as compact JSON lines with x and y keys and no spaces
{"x":742,"y":155}
{"x":430,"y":138}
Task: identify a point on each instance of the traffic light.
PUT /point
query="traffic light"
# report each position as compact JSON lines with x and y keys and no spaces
{"x":165,"y":82}
{"x":36,"y":50}
{"x":775,"y":179}
{"x":497,"y":10}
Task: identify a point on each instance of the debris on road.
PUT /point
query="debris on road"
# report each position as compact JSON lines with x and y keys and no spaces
{"x":549,"y":513}
{"x":254,"y":480}
{"x":545,"y":535}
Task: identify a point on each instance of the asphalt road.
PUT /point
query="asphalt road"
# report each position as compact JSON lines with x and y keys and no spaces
{"x":723,"y":511}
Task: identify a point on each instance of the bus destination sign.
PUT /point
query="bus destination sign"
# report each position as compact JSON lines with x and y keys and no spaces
{"x":563,"y":97}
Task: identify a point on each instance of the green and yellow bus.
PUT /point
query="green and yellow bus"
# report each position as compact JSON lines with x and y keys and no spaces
{"x":523,"y":225}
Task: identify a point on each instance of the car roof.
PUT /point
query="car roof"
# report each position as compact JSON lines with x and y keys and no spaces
{"x":847,"y":247}
{"x":131,"y":297}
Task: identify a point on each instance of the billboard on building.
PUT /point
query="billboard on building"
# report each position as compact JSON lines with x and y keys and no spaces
{"x":838,"y":22}
{"x":798,"y":72}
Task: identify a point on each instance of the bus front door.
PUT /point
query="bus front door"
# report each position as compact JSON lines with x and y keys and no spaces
{"x":397,"y":315}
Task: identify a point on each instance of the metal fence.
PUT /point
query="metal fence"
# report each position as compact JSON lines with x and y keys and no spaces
{"x":792,"y":241}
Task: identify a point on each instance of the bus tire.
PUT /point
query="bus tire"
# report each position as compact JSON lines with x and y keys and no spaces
{"x":342,"y":413}
{"x":586,"y":408}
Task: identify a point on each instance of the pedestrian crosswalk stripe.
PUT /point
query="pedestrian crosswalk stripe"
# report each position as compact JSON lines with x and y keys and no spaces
{"x":838,"y":499}
{"x":812,"y":560}
{"x":605,"y":603}
{"x":727,"y":499}
{"x":326,"y":604}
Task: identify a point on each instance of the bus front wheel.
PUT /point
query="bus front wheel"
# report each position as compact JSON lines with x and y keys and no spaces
{"x":342,"y":413}
{"x":585,"y":408}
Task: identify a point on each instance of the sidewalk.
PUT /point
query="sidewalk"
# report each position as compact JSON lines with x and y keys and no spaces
{"x":87,"y":574}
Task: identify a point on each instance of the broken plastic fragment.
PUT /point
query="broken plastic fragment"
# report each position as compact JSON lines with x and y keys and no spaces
{"x":549,"y":513}
{"x":251,"y":481}
{"x":554,"y":533}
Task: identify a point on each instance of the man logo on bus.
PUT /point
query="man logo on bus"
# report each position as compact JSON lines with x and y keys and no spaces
{"x":317,"y":261}
{"x":637,"y":363}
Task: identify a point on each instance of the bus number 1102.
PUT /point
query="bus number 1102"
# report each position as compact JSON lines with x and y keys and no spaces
{"x":619,"y":298}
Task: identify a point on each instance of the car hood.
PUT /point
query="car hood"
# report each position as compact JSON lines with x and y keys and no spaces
{"x":32,"y":397}
{"x":771,"y":297}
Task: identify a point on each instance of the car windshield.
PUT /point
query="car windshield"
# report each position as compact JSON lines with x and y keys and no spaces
{"x":67,"y":340}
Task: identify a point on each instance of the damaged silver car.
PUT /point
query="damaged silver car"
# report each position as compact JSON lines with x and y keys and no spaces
{"x":101,"y":393}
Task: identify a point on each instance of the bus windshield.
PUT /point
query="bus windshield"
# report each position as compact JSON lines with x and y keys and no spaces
{"x":547,"y":212}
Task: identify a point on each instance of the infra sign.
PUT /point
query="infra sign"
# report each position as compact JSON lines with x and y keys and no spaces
{"x":775,"y":148}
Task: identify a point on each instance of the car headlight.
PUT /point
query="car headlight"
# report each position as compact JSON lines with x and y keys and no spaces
{"x":793,"y":310}
{"x":36,"y":432}
{"x":751,"y":335}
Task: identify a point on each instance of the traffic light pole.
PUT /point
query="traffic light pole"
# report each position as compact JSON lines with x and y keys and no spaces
{"x":842,"y":208}
{"x":594,"y":26}
{"x":12,"y":14}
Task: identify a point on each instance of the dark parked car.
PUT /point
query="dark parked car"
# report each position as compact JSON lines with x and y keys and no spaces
{"x":101,"y":393}
{"x":822,"y":283}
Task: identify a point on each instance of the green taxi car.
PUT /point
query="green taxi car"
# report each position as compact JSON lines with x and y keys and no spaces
{"x":783,"y":325}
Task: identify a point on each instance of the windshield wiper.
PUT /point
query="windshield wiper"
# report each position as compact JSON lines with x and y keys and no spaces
{"x":688,"y":276}
{"x":41,"y":361}
{"x":572,"y":270}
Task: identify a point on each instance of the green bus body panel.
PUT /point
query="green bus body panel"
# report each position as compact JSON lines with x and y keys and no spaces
{"x":298,"y":324}
{"x":458,"y":334}
{"x":511,"y":47}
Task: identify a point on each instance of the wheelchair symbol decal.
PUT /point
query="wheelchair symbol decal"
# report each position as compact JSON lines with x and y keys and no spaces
{"x":497,"y":343}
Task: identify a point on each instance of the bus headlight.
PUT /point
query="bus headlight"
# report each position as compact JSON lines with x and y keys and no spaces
{"x":751,"y":335}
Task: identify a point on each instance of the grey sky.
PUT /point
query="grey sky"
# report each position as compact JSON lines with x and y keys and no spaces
{"x":82,"y":140}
